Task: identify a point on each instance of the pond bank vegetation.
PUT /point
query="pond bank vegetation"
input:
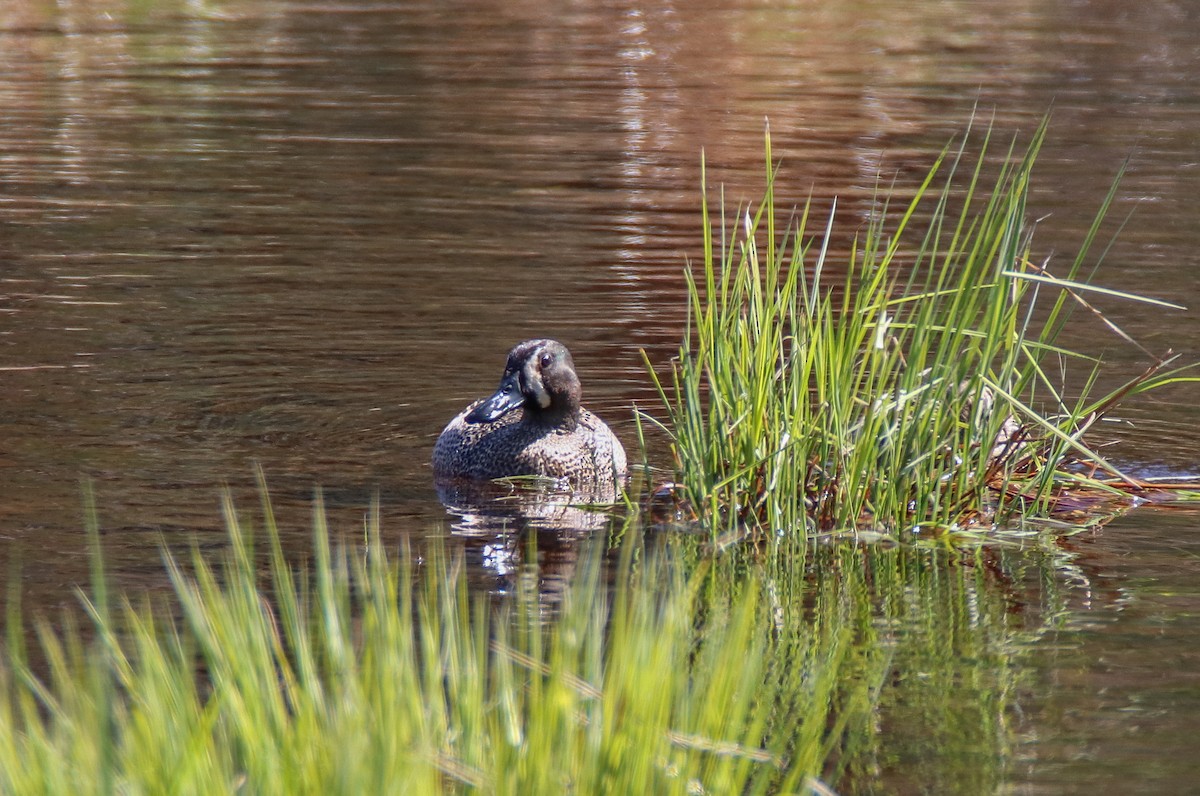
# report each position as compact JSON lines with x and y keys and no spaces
{"x":362,"y":672}
{"x":658,"y":669}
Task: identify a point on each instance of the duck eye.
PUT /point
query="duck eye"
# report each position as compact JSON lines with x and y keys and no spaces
{"x":546,"y":360}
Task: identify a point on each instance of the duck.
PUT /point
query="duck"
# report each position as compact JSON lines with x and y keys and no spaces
{"x":533,"y":424}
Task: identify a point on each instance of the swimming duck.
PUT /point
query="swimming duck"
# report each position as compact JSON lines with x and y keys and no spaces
{"x":533,"y":425}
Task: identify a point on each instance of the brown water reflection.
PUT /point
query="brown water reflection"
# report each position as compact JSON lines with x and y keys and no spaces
{"x":303,"y":234}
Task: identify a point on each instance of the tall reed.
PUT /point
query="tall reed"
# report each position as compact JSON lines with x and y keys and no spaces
{"x":906,"y":385}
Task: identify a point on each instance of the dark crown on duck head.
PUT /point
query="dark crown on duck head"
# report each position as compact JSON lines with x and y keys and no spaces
{"x":539,"y":376}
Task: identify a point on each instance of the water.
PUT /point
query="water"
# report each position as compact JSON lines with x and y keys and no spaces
{"x":305,"y":235}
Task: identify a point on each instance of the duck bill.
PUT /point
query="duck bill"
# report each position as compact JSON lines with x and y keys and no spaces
{"x":507,"y":398}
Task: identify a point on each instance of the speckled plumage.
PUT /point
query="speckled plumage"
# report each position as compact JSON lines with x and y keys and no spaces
{"x":533,"y":425}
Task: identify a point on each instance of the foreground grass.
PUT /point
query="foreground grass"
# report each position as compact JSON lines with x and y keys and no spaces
{"x":920,"y":389}
{"x":360,"y":674}
{"x":663,"y":670}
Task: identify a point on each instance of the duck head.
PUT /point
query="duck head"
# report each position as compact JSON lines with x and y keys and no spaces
{"x":539,"y":376}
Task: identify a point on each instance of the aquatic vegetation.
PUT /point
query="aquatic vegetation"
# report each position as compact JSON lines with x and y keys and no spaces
{"x":364,"y":674}
{"x":916,"y":391}
{"x":661,"y":669}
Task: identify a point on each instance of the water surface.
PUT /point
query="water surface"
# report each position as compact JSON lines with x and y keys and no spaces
{"x":305,"y":234}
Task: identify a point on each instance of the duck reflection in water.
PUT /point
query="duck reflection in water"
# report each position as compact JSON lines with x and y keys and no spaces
{"x":533,"y":425}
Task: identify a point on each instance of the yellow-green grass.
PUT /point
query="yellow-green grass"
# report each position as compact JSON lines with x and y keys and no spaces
{"x":374,"y":671}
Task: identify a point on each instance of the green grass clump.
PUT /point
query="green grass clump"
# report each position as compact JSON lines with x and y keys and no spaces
{"x":919,"y":390}
{"x":359,"y":675}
